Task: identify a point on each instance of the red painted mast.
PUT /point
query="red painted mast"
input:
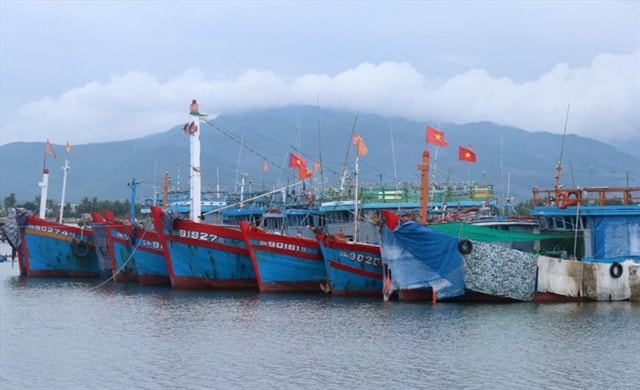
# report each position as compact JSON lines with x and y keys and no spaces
{"x":424,"y":186}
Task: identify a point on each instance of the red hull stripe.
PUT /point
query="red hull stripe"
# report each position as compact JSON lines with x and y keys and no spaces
{"x":356,"y":271}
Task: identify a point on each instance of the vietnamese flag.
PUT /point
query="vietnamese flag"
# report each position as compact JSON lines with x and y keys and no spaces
{"x":296,"y":161}
{"x":436,"y":137}
{"x":48,"y":149}
{"x":466,"y":154}
{"x":265,"y":166}
{"x":304,"y":173}
{"x":316,"y":166}
{"x":361,"y":148}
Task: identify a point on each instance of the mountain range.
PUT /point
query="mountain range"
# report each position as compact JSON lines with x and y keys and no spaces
{"x":237,"y":147}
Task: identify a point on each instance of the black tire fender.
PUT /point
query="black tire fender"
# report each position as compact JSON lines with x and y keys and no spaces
{"x":465,"y":246}
{"x":615,"y":270}
{"x":80,"y":248}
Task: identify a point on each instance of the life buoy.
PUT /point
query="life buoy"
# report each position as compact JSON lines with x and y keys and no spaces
{"x":562,"y":200}
{"x":80,"y":248}
{"x":615,"y":270}
{"x":565,"y":199}
{"x":465,"y":246}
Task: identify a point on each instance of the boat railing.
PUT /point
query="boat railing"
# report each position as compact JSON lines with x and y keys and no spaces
{"x":411,"y":193}
{"x":588,"y":196}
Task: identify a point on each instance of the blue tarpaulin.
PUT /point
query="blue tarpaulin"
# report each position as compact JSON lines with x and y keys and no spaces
{"x":419,"y":257}
{"x":616,"y":237}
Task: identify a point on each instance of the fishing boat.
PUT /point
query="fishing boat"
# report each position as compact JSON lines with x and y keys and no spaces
{"x":51,"y":249}
{"x":47,"y":248}
{"x":419,"y":262}
{"x":284,"y":263}
{"x":136,"y":253}
{"x":598,"y":254}
{"x":480,"y":253}
{"x":354,"y":269}
{"x":203,"y":256}
{"x":351,"y":232}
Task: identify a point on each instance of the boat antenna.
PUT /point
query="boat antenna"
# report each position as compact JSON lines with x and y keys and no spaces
{"x":395,"y":169}
{"x":564,"y":133}
{"x":319,"y":143}
{"x":64,"y":182}
{"x":238,"y":174}
{"x":503,"y":200}
{"x":346,"y":158}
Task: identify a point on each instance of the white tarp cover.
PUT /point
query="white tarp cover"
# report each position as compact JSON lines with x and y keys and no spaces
{"x":634,"y":279}
{"x":573,"y":278}
{"x":560,"y":276}
{"x":598,"y":284}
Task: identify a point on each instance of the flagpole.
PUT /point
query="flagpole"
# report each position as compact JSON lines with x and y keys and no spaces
{"x":356,"y":219}
{"x":64,"y":186}
{"x":132,"y":205}
{"x":435,"y":164}
{"x":195,"y":188}
{"x":44,"y":184}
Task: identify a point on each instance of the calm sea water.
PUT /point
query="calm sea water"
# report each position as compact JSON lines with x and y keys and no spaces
{"x":69,"y":333}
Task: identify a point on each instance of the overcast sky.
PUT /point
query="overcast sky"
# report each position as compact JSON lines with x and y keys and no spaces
{"x":99,"y":71}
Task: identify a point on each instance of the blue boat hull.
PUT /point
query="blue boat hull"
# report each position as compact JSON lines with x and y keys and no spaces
{"x":51,"y":249}
{"x":354,"y":269}
{"x":141,"y":260}
{"x":284,"y":263}
{"x":205,"y":256}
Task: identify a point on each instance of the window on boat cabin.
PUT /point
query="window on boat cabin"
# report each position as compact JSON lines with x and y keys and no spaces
{"x":318,"y":221}
{"x":339,"y":216}
{"x":297,"y":220}
{"x":273,"y":223}
{"x":567,"y":223}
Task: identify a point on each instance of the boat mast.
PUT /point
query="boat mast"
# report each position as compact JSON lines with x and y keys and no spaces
{"x":44,"y":184}
{"x":195,"y":188}
{"x":320,"y":146}
{"x":346,"y":158}
{"x":559,"y":166}
{"x":64,"y":182}
{"x":165,"y":191}
{"x":423,"y":167}
{"x":132,"y":206}
{"x":356,"y":218}
{"x":395,"y":169}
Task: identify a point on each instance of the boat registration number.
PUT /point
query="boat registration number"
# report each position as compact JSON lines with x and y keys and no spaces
{"x":202,"y":236}
{"x":51,"y":230}
{"x":360,"y":258}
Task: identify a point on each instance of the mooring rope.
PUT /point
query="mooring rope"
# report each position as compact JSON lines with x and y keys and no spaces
{"x":112,"y":277}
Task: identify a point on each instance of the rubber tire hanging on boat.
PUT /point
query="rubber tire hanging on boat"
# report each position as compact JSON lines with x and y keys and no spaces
{"x":80,"y":248}
{"x":615,"y":270}
{"x":465,"y":246}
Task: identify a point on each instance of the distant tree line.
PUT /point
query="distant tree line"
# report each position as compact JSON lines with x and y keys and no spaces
{"x":120,"y":209}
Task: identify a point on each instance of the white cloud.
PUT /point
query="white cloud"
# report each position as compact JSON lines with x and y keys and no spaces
{"x":604,"y":100}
